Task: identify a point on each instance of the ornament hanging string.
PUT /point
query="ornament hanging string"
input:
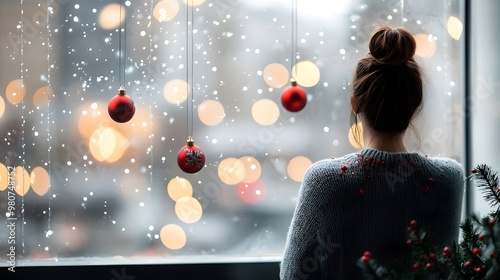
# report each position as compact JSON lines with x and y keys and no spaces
{"x":190,"y":68}
{"x":295,"y":45}
{"x":122,"y":44}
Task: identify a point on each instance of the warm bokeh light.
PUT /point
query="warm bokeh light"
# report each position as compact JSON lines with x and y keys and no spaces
{"x":252,"y":193}
{"x":15,"y":92}
{"x":93,"y":116}
{"x":253,"y":169}
{"x":173,"y":236}
{"x":107,"y":144}
{"x":166,"y":10}
{"x":356,"y":136}
{"x":41,"y":97}
{"x":4,"y":177}
{"x":306,"y":73}
{"x":188,"y":209}
{"x":2,"y":106}
{"x":179,"y":187}
{"x":21,"y":180}
{"x":455,"y":27}
{"x":176,"y":91}
{"x":265,"y":112}
{"x":297,"y":168}
{"x":40,"y":180}
{"x":276,"y":75}
{"x":231,"y":171}
{"x":193,"y":2}
{"x":112,"y":16}
{"x":211,"y":112}
{"x":426,"y":45}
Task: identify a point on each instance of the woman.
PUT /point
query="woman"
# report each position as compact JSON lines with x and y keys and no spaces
{"x":365,"y":201}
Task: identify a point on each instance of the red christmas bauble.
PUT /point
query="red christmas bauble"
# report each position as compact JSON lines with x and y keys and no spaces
{"x":294,"y":98}
{"x":121,"y":108}
{"x":190,"y":158}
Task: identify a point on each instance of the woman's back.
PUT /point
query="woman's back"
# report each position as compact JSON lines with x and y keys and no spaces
{"x":364,"y":202}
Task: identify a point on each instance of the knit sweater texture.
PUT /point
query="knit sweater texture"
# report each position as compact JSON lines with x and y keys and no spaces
{"x":364,"y":202}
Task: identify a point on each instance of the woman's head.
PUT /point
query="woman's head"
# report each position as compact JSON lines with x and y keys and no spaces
{"x":387,"y":83}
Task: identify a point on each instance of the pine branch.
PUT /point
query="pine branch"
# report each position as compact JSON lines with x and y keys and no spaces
{"x":487,"y":181}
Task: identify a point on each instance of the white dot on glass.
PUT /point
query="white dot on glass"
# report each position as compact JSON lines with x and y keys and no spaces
{"x":452,"y":83}
{"x":127,"y":171}
{"x":342,"y":51}
{"x":353,"y":38}
{"x":335,"y":142}
{"x":143,"y":33}
{"x":438,"y":68}
{"x":326,"y":129}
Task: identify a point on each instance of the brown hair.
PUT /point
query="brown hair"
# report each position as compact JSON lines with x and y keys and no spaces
{"x":387,"y":83}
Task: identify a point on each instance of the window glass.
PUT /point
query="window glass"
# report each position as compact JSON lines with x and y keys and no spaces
{"x":85,"y":186}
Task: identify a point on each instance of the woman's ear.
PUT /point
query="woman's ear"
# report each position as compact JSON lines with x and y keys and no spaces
{"x":354,"y":105}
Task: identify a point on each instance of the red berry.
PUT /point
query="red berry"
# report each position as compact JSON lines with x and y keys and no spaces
{"x":416,"y":266}
{"x":474,"y":171}
{"x":365,"y":259}
{"x":478,"y":270}
{"x":409,"y":242}
{"x":413,"y":223}
{"x":446,"y":252}
{"x":367,"y":254}
{"x":344,"y":168}
{"x":492,"y":255}
{"x":361,"y":192}
{"x":481,"y":237}
{"x":432,"y":256}
{"x":476,"y":251}
{"x":431,"y":180}
{"x":409,"y":229}
{"x":429,"y":266}
{"x":491,"y":222}
{"x":468,"y":264}
{"x":425,"y":189}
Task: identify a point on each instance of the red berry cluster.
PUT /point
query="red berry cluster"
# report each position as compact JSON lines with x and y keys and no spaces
{"x":366,"y":257}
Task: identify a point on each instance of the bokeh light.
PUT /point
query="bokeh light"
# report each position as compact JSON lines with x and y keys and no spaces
{"x":455,"y":27}
{"x":306,"y":73}
{"x":2,"y":106}
{"x":253,"y":169}
{"x":41,"y":97}
{"x":15,"y":92}
{"x":107,"y":144}
{"x":265,"y":112}
{"x":252,"y":193}
{"x":179,"y":187}
{"x":355,"y":136}
{"x":173,"y":236}
{"x":231,"y":171}
{"x":112,"y":16}
{"x":276,"y":75}
{"x":21,"y":180}
{"x":297,"y":168}
{"x":188,"y":209}
{"x":193,"y":2}
{"x":166,"y":10}
{"x":176,"y":91}
{"x":211,"y":112}
{"x":426,"y":45}
{"x":93,"y":116}
{"x":4,"y":177}
{"x":40,"y":180}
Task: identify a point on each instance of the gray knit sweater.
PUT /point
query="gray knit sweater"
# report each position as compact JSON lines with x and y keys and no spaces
{"x":364,"y":202}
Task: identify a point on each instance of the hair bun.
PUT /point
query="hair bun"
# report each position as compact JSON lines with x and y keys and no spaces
{"x":392,"y":46}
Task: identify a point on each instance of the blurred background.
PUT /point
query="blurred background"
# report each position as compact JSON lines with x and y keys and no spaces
{"x":88,"y":187}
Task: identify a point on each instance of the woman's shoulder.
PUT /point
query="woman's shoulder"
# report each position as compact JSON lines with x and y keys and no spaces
{"x":446,"y":164}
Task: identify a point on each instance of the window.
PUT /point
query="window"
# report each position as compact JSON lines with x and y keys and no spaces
{"x":89,"y":188}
